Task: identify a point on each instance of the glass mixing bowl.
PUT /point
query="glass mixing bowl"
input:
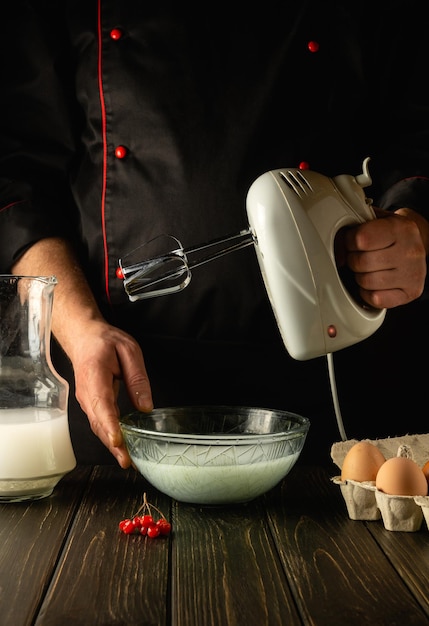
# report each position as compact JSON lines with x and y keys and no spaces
{"x":214,"y":454}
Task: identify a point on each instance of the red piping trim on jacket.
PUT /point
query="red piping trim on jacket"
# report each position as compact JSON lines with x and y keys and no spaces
{"x":11,"y":204}
{"x":104,"y":138}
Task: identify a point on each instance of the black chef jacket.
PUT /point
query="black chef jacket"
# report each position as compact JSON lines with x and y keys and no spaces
{"x":122,"y":121}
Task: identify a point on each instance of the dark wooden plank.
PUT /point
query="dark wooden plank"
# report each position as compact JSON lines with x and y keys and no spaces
{"x":31,"y":536}
{"x":106,"y":577}
{"x":225,"y":570}
{"x":293,"y":557}
{"x":409,"y":553}
{"x":338,"y":572}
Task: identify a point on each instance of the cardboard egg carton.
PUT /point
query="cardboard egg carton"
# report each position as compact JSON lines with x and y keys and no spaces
{"x":365,"y":502}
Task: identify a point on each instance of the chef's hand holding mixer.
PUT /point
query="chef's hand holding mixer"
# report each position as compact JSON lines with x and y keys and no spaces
{"x":294,"y":216}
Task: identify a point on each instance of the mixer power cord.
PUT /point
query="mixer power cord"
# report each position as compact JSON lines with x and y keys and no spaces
{"x":334,"y":392}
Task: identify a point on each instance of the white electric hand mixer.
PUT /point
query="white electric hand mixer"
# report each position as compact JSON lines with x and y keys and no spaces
{"x":294,"y":216}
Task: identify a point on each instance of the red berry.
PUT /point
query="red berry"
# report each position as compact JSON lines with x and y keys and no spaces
{"x":128,"y":527}
{"x":164,"y":526}
{"x":146,"y":521}
{"x":144,"y":524}
{"x":153,"y":531}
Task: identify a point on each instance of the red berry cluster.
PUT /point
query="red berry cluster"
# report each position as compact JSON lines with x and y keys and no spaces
{"x":143,"y":522}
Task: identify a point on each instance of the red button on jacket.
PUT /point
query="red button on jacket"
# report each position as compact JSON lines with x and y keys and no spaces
{"x":121,"y":152}
{"x":116,"y":33}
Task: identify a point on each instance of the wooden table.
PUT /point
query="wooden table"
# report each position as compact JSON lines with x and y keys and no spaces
{"x":291,"y":557}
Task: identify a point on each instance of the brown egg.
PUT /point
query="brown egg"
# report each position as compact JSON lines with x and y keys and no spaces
{"x":401,"y":476}
{"x":362,"y":462}
{"x":425,"y":469}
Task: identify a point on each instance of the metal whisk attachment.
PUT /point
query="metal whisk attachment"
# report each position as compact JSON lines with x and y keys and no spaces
{"x":162,"y":266}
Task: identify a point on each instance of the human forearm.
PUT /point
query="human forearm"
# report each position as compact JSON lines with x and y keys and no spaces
{"x":74,"y":303}
{"x":101,"y":354}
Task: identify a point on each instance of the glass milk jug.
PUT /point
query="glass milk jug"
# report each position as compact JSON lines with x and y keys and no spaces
{"x":35,"y":445}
